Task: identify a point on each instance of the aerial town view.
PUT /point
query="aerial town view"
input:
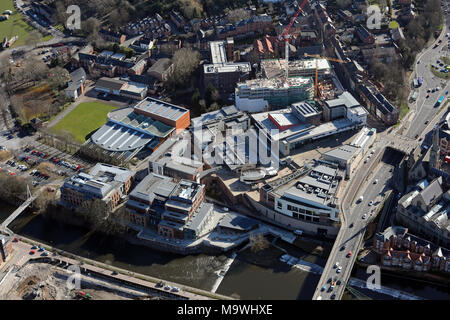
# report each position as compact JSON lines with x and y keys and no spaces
{"x":225,"y":150}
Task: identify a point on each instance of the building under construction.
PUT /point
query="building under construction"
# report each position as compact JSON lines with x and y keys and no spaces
{"x":273,"y":68}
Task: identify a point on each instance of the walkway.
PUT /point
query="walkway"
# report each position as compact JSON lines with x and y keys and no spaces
{"x":15,"y":214}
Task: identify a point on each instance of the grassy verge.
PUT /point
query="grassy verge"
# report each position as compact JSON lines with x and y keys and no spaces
{"x":404,"y":109}
{"x":15,"y":25}
{"x":439,"y":74}
{"x":47,"y":38}
{"x":446,"y":60}
{"x":84,"y":119}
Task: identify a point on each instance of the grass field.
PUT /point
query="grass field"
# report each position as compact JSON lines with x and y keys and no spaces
{"x":14,"y":26}
{"x":84,"y":119}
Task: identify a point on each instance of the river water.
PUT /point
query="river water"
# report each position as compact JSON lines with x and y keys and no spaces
{"x":243,"y":280}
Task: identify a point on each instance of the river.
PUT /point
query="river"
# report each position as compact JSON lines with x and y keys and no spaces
{"x":243,"y":280}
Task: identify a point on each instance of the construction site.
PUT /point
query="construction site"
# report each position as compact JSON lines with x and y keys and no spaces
{"x":43,"y":281}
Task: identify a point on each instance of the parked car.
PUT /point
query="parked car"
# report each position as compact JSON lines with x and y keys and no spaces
{"x":349,"y":254}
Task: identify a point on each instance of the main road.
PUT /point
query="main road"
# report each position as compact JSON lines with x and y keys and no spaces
{"x":424,"y":108}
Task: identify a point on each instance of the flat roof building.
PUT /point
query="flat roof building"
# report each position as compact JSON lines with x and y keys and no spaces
{"x":105,"y":182}
{"x":296,"y":126}
{"x":275,"y":68}
{"x":145,"y":125}
{"x":258,"y":94}
{"x":223,"y":73}
{"x":310,"y":197}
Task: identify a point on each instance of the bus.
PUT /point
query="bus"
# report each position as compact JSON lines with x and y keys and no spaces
{"x":438,"y":103}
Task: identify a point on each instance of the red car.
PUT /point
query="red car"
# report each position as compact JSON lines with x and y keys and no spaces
{"x":78,"y":168}
{"x":32,"y":251}
{"x":33,"y":152}
{"x":16,"y":240}
{"x":428,"y":95}
{"x":349,"y":254}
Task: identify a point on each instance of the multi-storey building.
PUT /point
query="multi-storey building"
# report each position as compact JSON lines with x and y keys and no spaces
{"x":256,"y":95}
{"x":425,"y":211}
{"x":307,"y":199}
{"x":174,"y":209}
{"x":105,"y":182}
{"x":397,"y":248}
{"x":223,"y":73}
{"x":273,"y":68}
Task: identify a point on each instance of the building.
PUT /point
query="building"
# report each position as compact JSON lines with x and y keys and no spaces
{"x":132,"y":129}
{"x":300,"y":124}
{"x":146,"y":201}
{"x":365,"y":36}
{"x":173,"y":209}
{"x":307,"y":200}
{"x":223,"y":73}
{"x":397,"y":248}
{"x":344,"y":106}
{"x":111,"y":36}
{"x":110,"y":64}
{"x":426,"y":211}
{"x":348,"y":156}
{"x":234,"y":224}
{"x":160,"y":69}
{"x":5,"y":248}
{"x":105,"y":182}
{"x":247,"y":27}
{"x":275,"y":68}
{"x":147,"y":25}
{"x":76,"y":85}
{"x":377,"y":104}
{"x":168,"y":159}
{"x":117,"y":87}
{"x":178,"y":19}
{"x":258,"y":94}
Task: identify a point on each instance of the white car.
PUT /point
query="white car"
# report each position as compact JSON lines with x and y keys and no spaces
{"x":375,"y":181}
{"x":339,"y":270}
{"x":370,"y":203}
{"x":364,"y":216}
{"x":336,"y":265}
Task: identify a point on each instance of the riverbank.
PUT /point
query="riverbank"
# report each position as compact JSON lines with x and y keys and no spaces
{"x":123,"y":276}
{"x":435,"y":279}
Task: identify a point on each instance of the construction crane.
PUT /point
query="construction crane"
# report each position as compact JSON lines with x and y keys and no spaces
{"x":316,"y":82}
{"x":286,"y":36}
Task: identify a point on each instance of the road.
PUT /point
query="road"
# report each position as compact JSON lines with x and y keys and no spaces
{"x":350,"y":238}
{"x":423,"y":109}
{"x":352,"y":232}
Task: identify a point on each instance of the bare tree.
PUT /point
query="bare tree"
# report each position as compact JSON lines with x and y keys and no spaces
{"x":34,"y":37}
{"x":258,"y":242}
{"x":184,"y":62}
{"x":238,"y":15}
